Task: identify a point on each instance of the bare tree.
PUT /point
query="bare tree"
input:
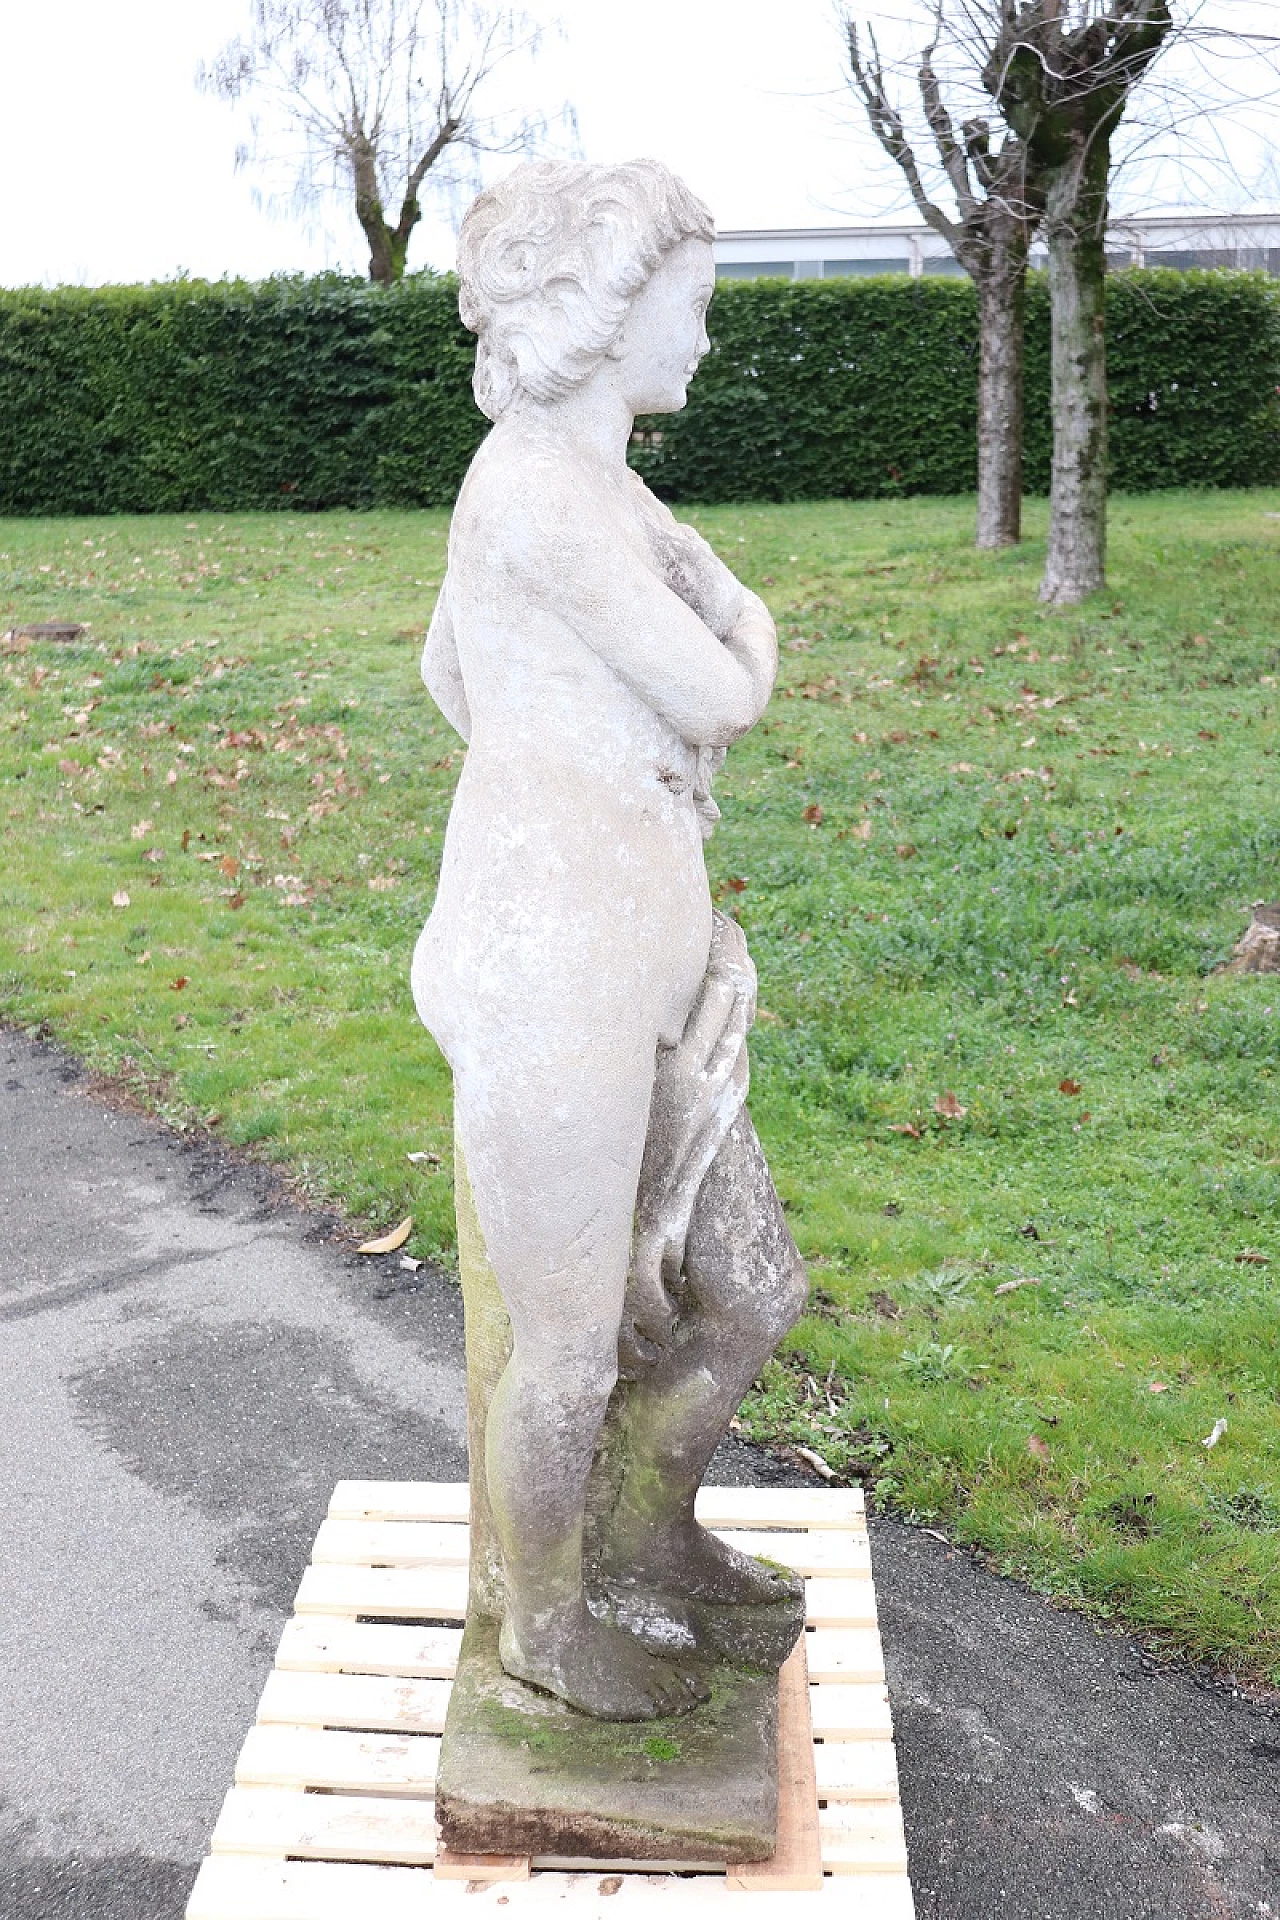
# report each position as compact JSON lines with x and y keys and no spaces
{"x":1062,"y":73}
{"x":377,"y":99}
{"x":999,"y":201}
{"x":1072,"y":82}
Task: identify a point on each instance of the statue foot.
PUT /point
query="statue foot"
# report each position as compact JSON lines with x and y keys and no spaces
{"x":603,"y":1671}
{"x":690,"y":1561}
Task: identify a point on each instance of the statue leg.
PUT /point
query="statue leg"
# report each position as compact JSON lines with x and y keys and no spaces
{"x":553,"y":1155}
{"x":745,"y":1286}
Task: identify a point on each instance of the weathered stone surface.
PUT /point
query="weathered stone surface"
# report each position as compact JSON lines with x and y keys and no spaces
{"x":521,"y":1772}
{"x":627,"y":1268}
{"x":1258,"y":949}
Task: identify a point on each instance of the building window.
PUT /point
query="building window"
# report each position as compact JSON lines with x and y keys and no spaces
{"x":837,"y":269}
{"x":942,"y":263}
{"x":1184,"y":261}
{"x":755,"y":270}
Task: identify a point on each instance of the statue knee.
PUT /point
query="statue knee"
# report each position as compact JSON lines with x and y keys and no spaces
{"x":577,"y":1376}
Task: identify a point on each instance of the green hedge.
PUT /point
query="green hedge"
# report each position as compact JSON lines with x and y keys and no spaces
{"x":330,"y":392}
{"x":863,"y":388}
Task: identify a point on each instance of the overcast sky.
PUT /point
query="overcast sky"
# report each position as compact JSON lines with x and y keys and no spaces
{"x":115,"y":168}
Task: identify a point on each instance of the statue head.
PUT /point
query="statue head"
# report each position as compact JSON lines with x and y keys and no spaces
{"x":551,"y":262}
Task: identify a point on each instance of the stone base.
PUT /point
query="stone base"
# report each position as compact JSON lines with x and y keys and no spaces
{"x":522,"y":1773}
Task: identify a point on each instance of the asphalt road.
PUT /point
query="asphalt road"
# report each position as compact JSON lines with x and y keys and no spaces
{"x":188,"y":1363}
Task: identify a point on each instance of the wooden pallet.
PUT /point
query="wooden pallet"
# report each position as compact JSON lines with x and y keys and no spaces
{"x":332,"y":1816}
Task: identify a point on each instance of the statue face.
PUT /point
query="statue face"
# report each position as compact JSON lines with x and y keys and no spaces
{"x":664,"y":335}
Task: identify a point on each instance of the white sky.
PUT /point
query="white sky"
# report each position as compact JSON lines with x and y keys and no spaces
{"x":114,"y":168}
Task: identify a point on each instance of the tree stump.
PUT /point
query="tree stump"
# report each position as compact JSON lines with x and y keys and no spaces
{"x":1258,"y":949}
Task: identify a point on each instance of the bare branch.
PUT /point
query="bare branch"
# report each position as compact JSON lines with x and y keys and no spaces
{"x":374,"y":100}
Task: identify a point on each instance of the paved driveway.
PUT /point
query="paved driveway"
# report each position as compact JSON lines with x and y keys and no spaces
{"x":188,"y":1363}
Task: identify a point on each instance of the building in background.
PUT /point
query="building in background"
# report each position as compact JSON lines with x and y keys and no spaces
{"x":1249,"y":240}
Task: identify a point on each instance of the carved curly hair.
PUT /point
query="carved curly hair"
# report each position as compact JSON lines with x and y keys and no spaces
{"x":549,"y":261}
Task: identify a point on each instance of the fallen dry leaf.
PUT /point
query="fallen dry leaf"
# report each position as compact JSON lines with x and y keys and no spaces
{"x":1158,"y":1386}
{"x":736,"y":885}
{"x":906,"y":851}
{"x":1012,"y":1286}
{"x":186,"y":838}
{"x":179,"y":983}
{"x":389,"y":1241}
{"x":1070,"y":1087}
{"x":908,"y":1128}
{"x":408,"y":1263}
{"x":144,"y":959}
{"x":1212,"y":1439}
{"x":229,"y":865}
{"x":862,"y":831}
{"x":236,"y":900}
{"x":423,"y":1159}
{"x":949,"y":1107}
{"x":1038,"y":1448}
{"x":1252,"y":1258}
{"x":143,"y":827}
{"x":120,"y":899}
{"x":813,"y":815}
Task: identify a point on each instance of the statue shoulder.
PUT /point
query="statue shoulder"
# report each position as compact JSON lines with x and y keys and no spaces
{"x":519,"y":483}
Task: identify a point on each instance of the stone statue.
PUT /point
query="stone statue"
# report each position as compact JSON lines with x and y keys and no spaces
{"x":598,"y":659}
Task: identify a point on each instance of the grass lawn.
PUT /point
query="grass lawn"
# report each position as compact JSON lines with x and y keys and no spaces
{"x":988,"y":860}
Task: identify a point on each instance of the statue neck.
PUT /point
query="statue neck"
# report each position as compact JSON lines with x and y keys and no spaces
{"x":594,"y":420}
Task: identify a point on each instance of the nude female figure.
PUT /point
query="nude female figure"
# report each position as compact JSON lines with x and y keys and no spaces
{"x":598,"y":659}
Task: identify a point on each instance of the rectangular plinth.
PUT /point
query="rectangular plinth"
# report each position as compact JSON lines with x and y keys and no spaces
{"x":521,"y":1772}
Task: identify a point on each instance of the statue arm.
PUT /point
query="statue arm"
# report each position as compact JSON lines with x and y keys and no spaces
{"x":440,"y":669}
{"x":711,"y":690}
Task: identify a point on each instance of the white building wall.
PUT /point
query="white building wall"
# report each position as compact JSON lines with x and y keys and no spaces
{"x":807,"y":253}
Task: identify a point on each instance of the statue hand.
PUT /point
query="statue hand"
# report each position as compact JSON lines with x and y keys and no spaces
{"x":649,"y":1309}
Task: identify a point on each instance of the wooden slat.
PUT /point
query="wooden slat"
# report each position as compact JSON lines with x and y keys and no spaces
{"x":315,"y":1644}
{"x":440,"y":1593}
{"x":236,"y":1887}
{"x":796,"y":1865}
{"x":356,"y":1700}
{"x":326,"y":1826}
{"x":239,"y":1888}
{"x":819,"y":1507}
{"x":856,"y":1770}
{"x":862,"y":1839}
{"x":401,"y":1500}
{"x":841,"y":1507}
{"x":837,"y":1602}
{"x":391,"y":1543}
{"x":415,"y":1543}
{"x":481,"y":1869}
{"x":835,"y":1653}
{"x":844,"y":1712}
{"x":406,"y":1593}
{"x":821,"y":1553}
{"x":339,"y":1762}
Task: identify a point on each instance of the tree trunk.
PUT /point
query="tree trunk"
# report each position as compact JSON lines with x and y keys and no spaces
{"x":381,"y":258}
{"x":1075,"y":224}
{"x":364,"y":170}
{"x":1001,"y":311}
